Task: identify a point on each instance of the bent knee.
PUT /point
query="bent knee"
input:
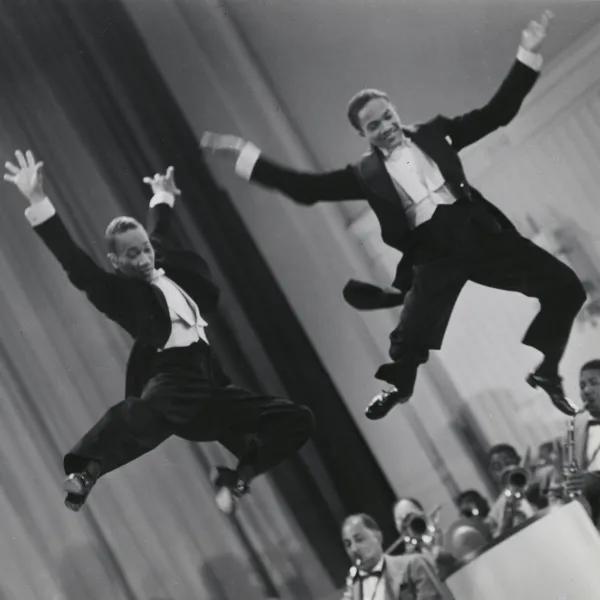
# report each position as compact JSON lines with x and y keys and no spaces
{"x":570,"y":288}
{"x":303,"y":420}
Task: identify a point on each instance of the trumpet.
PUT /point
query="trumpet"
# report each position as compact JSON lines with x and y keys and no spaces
{"x":515,"y":480}
{"x":420,"y":531}
{"x":470,"y":512}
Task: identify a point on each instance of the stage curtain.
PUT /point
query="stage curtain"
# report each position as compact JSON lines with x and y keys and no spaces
{"x":79,"y":89}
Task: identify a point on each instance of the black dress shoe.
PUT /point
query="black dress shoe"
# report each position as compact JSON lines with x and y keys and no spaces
{"x":366,"y":296}
{"x":382,"y":403}
{"x":75,"y":502}
{"x":554,"y":388}
{"x":402,"y":375}
{"x":78,"y":487}
{"x":230,"y":489}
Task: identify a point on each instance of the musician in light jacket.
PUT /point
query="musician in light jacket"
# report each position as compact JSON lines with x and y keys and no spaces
{"x":586,"y":449}
{"x":383,"y":577}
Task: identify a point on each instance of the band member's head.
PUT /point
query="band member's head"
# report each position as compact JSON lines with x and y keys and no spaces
{"x":129,"y":248}
{"x":405,"y":507}
{"x":363,"y":540}
{"x":500,"y":458}
{"x":589,"y":384}
{"x":472,"y":504}
{"x":375,"y":118}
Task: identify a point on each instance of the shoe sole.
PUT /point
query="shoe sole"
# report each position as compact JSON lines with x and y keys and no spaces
{"x":73,"y":507}
{"x":73,"y":486}
{"x":402,"y":400}
{"x":535,"y":385}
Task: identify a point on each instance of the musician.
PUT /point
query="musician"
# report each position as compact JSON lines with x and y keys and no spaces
{"x":380,"y":576}
{"x":502,"y":459}
{"x":503,"y":456}
{"x":586,"y":444}
{"x":472,"y":530}
{"x":471,"y":504}
{"x":174,"y":383}
{"x":448,"y":233}
{"x":432,"y":546}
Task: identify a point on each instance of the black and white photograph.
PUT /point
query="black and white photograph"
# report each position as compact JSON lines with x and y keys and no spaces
{"x":300,"y":300}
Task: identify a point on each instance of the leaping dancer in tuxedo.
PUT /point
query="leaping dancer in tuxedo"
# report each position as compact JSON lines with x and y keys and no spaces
{"x":174,"y":382}
{"x":447,"y":232}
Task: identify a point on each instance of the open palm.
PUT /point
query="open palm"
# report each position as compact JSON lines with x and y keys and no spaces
{"x":535,"y":33}
{"x":26,"y":175}
{"x":163,"y":183}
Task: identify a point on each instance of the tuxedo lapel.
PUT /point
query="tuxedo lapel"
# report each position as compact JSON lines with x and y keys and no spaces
{"x":429,"y":141}
{"x":377,"y":178}
{"x":434,"y":147}
{"x":192,"y":274}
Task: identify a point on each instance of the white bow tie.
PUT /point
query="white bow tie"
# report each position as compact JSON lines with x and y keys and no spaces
{"x":158,"y":273}
{"x":406,"y":143}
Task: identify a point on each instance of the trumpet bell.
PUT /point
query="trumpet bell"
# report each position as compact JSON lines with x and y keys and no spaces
{"x":416,"y":525}
{"x":515,"y":479}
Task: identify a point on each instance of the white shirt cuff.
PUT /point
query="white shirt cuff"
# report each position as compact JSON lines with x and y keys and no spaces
{"x":531,"y":59}
{"x":39,"y":213}
{"x":246,"y":160}
{"x":162,"y":198}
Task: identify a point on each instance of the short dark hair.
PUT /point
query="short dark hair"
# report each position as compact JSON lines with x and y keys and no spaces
{"x":411,"y":500}
{"x":591,"y":365}
{"x":366,"y":520}
{"x":359,"y":101}
{"x":501,"y":449}
{"x":117,"y":226}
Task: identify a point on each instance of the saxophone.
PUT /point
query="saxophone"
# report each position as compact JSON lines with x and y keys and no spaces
{"x":570,"y":466}
{"x":350,"y":580}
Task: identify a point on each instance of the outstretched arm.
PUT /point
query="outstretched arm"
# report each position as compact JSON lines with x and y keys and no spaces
{"x":102,"y":287}
{"x":304,"y":188}
{"x":503,"y":107}
{"x":160,"y":212}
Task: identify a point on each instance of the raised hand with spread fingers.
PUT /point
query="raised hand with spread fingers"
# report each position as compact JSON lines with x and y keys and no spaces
{"x":27,"y":176}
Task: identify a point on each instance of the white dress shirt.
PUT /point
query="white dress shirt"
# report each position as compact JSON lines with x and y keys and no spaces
{"x":593,"y":447}
{"x":187,"y":324}
{"x":373,"y":583}
{"x":409,"y":168}
{"x":415,"y":173}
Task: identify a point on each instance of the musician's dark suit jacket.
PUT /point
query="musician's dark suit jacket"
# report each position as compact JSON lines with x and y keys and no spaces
{"x":137,"y":306}
{"x":441,"y":139}
{"x":408,"y":577}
